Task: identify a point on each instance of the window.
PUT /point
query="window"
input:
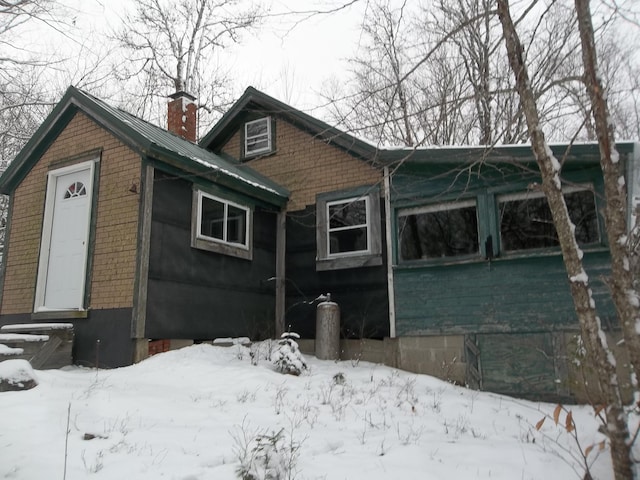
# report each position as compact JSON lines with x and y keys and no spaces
{"x":76,"y":189}
{"x":526,"y":222}
{"x":438,"y":231}
{"x":257,"y":137}
{"x":221,"y":225}
{"x":348,"y":230}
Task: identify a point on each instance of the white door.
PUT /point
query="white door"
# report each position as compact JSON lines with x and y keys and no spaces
{"x":65,"y":238}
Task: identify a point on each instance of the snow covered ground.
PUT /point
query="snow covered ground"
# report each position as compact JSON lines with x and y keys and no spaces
{"x":207,"y":412}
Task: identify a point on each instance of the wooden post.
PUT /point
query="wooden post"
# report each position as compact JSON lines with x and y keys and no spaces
{"x":139,"y":315}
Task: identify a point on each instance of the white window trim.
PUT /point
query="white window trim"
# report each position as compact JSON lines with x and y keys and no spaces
{"x":367,"y":224}
{"x":212,"y":244}
{"x":268,"y":148}
{"x":226,"y":204}
{"x":45,"y":241}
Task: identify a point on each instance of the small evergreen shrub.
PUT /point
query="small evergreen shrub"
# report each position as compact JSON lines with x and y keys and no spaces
{"x":287,"y":357}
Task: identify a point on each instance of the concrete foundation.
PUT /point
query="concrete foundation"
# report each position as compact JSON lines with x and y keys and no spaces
{"x":441,"y":356}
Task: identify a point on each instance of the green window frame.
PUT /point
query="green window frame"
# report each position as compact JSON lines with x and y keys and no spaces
{"x":442,"y":231}
{"x":525,"y":222}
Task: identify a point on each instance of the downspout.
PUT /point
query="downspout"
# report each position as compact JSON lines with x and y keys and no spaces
{"x":281,"y":232}
{"x":390,"y":288}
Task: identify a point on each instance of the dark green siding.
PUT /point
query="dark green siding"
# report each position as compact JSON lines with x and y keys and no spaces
{"x":505,"y":295}
{"x":514,"y":292}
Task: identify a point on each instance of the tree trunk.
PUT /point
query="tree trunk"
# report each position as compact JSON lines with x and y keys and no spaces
{"x":624,"y":294}
{"x":593,"y":336}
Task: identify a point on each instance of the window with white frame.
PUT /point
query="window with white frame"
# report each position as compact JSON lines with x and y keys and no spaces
{"x":438,"y":231}
{"x":257,"y":137}
{"x":348,"y":230}
{"x":348,"y":226}
{"x":221,"y":225}
{"x":526,"y":222}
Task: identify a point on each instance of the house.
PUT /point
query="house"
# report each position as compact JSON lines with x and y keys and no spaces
{"x":441,"y":259}
{"x":134,"y":233}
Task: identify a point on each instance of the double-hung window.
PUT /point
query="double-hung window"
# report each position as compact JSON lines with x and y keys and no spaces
{"x":348,"y":230}
{"x":348,"y":227}
{"x":221,"y":225}
{"x":258,"y":137}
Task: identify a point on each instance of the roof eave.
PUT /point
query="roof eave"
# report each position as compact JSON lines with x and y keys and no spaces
{"x":219,"y":176}
{"x":587,"y":153}
{"x":227,"y":125}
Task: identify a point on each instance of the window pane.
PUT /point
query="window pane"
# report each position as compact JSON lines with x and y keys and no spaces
{"x":257,"y":135}
{"x":582,"y":211}
{"x":441,"y":233}
{"x":236,"y":225}
{"x":527,"y":223}
{"x":254,"y":144}
{"x":212,"y":219}
{"x":259,"y":127}
{"x":349,"y":240}
{"x":348,"y":214}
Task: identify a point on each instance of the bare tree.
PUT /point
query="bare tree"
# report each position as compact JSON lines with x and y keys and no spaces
{"x":172,"y":45}
{"x":592,"y":334}
{"x":438,"y":75}
{"x":24,"y":101}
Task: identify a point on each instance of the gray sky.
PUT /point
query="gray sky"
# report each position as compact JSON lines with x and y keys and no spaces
{"x":287,"y":60}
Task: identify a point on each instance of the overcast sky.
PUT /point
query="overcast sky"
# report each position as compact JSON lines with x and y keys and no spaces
{"x":285,"y":58}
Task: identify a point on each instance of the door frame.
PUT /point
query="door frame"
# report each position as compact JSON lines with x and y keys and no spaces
{"x":47,"y":226}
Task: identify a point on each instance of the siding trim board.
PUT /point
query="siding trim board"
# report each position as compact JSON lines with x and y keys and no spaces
{"x":139,"y":311}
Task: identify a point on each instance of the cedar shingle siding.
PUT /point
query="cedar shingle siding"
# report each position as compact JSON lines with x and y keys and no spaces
{"x":307,"y":166}
{"x":114,"y":254}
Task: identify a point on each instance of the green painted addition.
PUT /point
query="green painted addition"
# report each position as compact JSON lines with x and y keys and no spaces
{"x":514,"y":292}
{"x":529,"y":294}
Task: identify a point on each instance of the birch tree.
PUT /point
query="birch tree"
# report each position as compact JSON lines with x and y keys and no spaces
{"x":172,"y":45}
{"x":592,"y":333}
{"x":439,"y":73}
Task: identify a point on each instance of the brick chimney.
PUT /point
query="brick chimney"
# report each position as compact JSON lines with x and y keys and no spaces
{"x":181,"y":115}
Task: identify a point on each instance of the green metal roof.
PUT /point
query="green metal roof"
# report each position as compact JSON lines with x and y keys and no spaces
{"x":253,"y":100}
{"x":587,"y":152}
{"x":148,"y":140}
